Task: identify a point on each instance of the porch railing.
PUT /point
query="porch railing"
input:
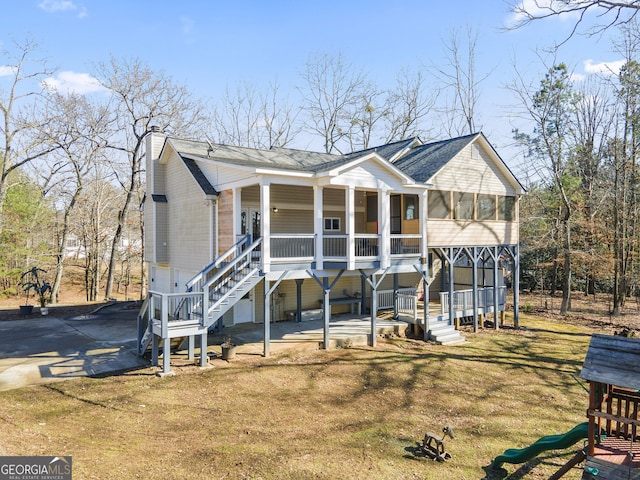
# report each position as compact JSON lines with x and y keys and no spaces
{"x":463,"y":299}
{"x":367,"y":245}
{"x":385,"y":297}
{"x":293,"y":245}
{"x":404,"y":245}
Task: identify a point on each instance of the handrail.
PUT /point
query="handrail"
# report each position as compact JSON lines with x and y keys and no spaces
{"x":218,"y":261}
{"x":231,"y":265}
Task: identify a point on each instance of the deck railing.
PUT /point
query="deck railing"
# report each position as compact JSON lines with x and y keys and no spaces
{"x":367,"y":245}
{"x":463,"y":299}
{"x":293,"y":245}
{"x":405,"y":245}
{"x":335,"y":246}
{"x":168,"y":308}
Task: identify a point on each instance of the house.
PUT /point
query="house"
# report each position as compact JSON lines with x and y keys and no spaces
{"x":238,"y":235}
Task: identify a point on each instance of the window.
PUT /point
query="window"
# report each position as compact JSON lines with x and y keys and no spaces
{"x":507,"y":209}
{"x":411,"y":207}
{"x":372,"y":208}
{"x":332,"y":224}
{"x":464,"y":205}
{"x":439,"y":204}
{"x":486,"y":207}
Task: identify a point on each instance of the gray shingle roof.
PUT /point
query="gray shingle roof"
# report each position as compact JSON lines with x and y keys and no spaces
{"x":199,"y":177}
{"x":424,"y":161}
{"x":420,"y":162}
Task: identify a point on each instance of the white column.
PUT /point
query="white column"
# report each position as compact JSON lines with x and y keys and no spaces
{"x":424,"y":240}
{"x":237,"y":211}
{"x":318,"y":228}
{"x":384,"y":228}
{"x":265,"y":225}
{"x":350,"y":227}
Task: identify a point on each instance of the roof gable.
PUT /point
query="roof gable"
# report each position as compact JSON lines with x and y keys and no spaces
{"x":614,"y":360}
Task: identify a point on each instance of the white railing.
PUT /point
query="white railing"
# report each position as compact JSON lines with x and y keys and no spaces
{"x":386,"y":300}
{"x":293,"y":245}
{"x":405,"y":245}
{"x":463,"y":299}
{"x":334,"y":246}
{"x":200,"y":278}
{"x":408,"y":305}
{"x":367,"y":245}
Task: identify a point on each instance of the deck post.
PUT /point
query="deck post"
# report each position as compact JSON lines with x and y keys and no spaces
{"x":496,"y":257}
{"x":265,"y":225}
{"x":154,"y":350}
{"x":326,"y":311}
{"x":450,"y":261}
{"x":395,"y":296}
{"x":516,"y":285}
{"x":299,"y":282}
{"x":474,"y":286}
{"x":204,"y":337}
{"x":374,"y":309}
{"x":350,"y":227}
{"x":267,"y":319}
{"x":318,"y":227}
{"x":166,"y":355}
{"x":191,"y":350}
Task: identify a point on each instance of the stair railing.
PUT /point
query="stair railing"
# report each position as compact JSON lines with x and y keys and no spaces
{"x":196,"y":283}
{"x":228,"y":278}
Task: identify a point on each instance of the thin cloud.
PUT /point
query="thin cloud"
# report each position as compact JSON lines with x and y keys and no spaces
{"x":606,"y":68}
{"x":7,"y":70}
{"x":537,"y":8}
{"x":53,"y":6}
{"x":71,"y":82}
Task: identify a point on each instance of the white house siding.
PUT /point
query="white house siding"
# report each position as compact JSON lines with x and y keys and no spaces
{"x":160,"y":279}
{"x":465,"y":174}
{"x":459,"y":233}
{"x":189,"y":218}
{"x":368,"y":175}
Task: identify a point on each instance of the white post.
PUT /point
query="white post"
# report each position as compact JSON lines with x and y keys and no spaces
{"x":318,"y":228}
{"x":384,"y":229}
{"x":350,"y":228}
{"x":265,"y":225}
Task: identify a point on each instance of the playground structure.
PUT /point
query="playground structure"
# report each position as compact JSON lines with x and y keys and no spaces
{"x":612,"y":451}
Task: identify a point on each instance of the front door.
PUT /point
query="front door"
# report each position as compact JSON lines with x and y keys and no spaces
{"x":250,"y":223}
{"x":243,"y":311}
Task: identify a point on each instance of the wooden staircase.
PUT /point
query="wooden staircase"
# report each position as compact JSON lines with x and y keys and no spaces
{"x":210,"y":294}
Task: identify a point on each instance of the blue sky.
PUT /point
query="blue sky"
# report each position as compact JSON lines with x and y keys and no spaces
{"x":210,"y":44}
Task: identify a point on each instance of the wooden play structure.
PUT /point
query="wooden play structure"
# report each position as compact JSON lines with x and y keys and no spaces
{"x":612,"y":368}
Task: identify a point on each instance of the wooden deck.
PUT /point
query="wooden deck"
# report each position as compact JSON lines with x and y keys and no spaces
{"x":615,"y":459}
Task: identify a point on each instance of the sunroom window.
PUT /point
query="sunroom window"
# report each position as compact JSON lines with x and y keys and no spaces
{"x":506,"y":209}
{"x":439,"y":204}
{"x":464,"y":205}
{"x":486,"y":207}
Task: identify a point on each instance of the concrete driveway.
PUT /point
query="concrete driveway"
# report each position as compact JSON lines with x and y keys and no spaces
{"x":48,"y":349}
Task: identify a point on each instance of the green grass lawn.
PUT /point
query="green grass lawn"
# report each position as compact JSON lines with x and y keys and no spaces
{"x":344,"y":414}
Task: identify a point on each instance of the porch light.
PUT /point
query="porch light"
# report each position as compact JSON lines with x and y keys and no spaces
{"x":275,"y":209}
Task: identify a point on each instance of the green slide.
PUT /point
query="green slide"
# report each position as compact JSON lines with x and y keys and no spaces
{"x":549,"y":442}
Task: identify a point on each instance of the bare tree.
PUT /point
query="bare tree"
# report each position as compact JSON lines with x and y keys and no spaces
{"x":332,"y":95}
{"x":83,"y":127}
{"x":142,"y":99}
{"x":249,"y":118}
{"x":609,"y":12}
{"x":23,"y":121}
{"x":407,"y":105}
{"x":460,"y":84}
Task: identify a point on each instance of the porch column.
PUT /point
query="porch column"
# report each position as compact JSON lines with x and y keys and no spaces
{"x":318,"y":228}
{"x":425,"y":313}
{"x":516,"y":285}
{"x":384,"y":228}
{"x":267,"y":318}
{"x":350,"y":228}
{"x":450,"y":261}
{"x":474,"y":287}
{"x":237,"y":211}
{"x":424,"y":241}
{"x":496,"y":256}
{"x":265,"y":225}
